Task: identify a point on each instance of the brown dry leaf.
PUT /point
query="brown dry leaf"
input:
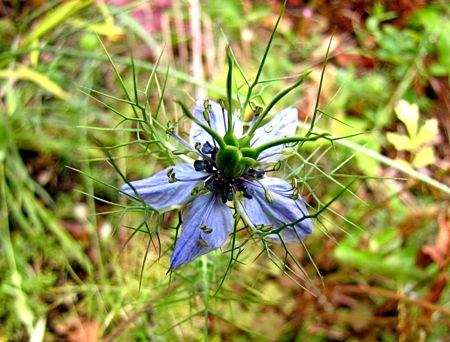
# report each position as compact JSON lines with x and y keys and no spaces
{"x":78,"y":231}
{"x":78,"y":330}
{"x":439,"y":252}
{"x":87,"y":331}
{"x":361,"y":62}
{"x":434,"y":294}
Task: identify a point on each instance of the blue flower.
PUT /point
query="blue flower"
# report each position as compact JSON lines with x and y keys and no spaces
{"x":227,"y":174}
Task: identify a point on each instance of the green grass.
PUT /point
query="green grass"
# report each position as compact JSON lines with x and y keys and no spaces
{"x":78,"y":119}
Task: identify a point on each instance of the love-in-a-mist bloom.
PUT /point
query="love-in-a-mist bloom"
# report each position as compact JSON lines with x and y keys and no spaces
{"x":231,"y":173}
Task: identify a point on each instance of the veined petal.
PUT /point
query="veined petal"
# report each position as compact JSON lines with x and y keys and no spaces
{"x":284,"y":124}
{"x":161,"y":195}
{"x":206,"y":226}
{"x":218,"y":121}
{"x":283,"y":210}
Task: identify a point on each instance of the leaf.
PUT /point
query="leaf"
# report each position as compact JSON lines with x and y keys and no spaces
{"x":54,"y":18}
{"x":427,"y":132}
{"x":439,"y":252}
{"x":110,"y":30}
{"x":409,"y":115}
{"x":24,"y":73}
{"x":424,"y":157}
{"x":38,"y":332}
{"x":401,"y":142}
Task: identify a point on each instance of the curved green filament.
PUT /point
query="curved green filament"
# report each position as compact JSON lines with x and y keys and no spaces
{"x":272,"y":103}
{"x":208,"y":129}
{"x":229,"y":91}
{"x":287,"y":140}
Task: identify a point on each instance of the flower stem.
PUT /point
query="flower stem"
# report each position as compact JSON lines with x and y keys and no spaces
{"x":205,"y":296}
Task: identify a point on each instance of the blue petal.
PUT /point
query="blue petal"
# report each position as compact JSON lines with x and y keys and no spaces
{"x":206,"y":226}
{"x":161,"y":195}
{"x":281,"y":211}
{"x":284,"y":124}
{"x":217,"y":122}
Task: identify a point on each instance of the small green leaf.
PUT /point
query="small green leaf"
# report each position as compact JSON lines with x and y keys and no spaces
{"x":424,"y":157}
{"x":54,"y":18}
{"x":427,"y":132}
{"x":409,"y":115}
{"x":401,"y":142}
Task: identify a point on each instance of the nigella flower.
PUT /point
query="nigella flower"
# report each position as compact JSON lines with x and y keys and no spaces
{"x":232,"y":170}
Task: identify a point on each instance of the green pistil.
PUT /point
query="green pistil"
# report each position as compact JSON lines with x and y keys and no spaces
{"x":230,"y":139}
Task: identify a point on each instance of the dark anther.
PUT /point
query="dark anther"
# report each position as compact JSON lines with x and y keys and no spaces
{"x":207,"y":148}
{"x":224,"y":197}
{"x":214,"y":153}
{"x":208,"y":166}
{"x":258,"y":174}
{"x":199,"y":165}
{"x":210,"y":184}
{"x":227,"y":195}
{"x":246,"y":195}
{"x":230,"y":196}
{"x":243,"y":188}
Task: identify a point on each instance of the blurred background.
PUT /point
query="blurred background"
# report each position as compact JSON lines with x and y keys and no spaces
{"x":77,"y":265}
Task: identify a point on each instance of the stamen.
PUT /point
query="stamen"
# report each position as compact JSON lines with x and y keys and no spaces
{"x":172,"y":177}
{"x":207,"y":148}
{"x":197,"y":189}
{"x":191,"y":179}
{"x":294,"y":183}
{"x":294,"y":195}
{"x":199,"y":165}
{"x":276,"y":166}
{"x":180,"y":152}
{"x":230,"y":196}
{"x":206,"y":229}
{"x":269,"y":197}
{"x":264,"y":227}
{"x":222,"y":105}
{"x":269,"y":155}
{"x":255,"y":173}
{"x":207,"y":105}
{"x":171,"y":132}
{"x":207,"y":117}
{"x":244,"y":190}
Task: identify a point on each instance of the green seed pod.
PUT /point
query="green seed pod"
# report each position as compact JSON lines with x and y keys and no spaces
{"x":229,"y":162}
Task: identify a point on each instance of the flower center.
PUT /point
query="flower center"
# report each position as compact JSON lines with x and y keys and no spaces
{"x":229,"y":171}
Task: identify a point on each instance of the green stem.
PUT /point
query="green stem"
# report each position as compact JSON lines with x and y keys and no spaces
{"x":316,"y":106}
{"x":263,"y":60}
{"x":205,"y":296}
